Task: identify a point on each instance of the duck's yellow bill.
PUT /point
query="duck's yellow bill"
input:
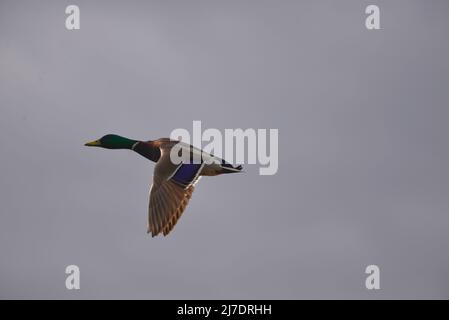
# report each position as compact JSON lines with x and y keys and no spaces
{"x":94,"y":143}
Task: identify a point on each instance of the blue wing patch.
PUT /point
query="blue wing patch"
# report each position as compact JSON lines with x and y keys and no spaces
{"x":187,"y":173}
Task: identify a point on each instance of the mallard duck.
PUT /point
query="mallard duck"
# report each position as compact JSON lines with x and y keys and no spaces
{"x":173,"y":184}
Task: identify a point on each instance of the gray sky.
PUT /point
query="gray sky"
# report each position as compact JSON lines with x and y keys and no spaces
{"x":363,"y":153}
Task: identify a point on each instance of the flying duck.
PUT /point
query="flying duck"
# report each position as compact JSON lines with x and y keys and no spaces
{"x":173,"y":183}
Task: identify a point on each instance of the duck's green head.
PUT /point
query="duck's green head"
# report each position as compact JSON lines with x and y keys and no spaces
{"x":112,"y":141}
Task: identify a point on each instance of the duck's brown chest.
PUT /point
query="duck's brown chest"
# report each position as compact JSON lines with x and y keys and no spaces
{"x":147,"y":150}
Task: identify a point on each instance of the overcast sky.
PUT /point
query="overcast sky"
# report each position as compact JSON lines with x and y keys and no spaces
{"x":363,"y":152}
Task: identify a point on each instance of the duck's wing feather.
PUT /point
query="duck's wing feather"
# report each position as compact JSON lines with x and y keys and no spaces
{"x":167,"y":203}
{"x":172,"y":188}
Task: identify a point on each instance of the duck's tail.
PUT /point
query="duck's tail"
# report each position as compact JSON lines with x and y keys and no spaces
{"x":229,"y":168}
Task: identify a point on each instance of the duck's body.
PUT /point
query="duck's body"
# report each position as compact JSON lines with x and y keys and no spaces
{"x":152,"y":151}
{"x":173,"y":182}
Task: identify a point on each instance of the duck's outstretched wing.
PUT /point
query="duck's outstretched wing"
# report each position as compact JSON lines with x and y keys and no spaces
{"x":172,"y":188}
{"x":167,"y":203}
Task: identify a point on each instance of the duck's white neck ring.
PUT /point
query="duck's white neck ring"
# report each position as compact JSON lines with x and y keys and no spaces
{"x":134,"y":145}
